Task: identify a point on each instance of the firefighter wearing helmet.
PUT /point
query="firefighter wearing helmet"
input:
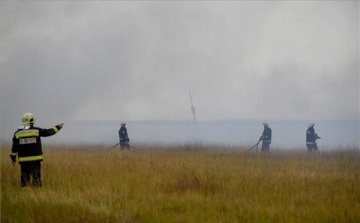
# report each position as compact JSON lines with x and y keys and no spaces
{"x":266,"y":138}
{"x":27,"y":146}
{"x":124,"y":137}
{"x":311,"y":138}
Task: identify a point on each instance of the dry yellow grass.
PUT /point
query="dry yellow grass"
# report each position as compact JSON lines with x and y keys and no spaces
{"x":184,"y":184}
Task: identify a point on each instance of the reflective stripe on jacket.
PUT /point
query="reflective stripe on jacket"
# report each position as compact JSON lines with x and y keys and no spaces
{"x":27,"y":143}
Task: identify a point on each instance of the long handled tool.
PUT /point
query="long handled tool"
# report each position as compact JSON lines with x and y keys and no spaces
{"x":133,"y":147}
{"x":114,"y":146}
{"x":256,"y":145}
{"x":129,"y":145}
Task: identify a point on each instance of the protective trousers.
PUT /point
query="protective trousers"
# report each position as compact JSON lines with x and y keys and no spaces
{"x":265,"y":148}
{"x":312,"y":147}
{"x":28,"y":170}
{"x":124,"y":145}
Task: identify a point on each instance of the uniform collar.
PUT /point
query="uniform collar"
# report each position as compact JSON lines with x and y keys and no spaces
{"x":24,"y":127}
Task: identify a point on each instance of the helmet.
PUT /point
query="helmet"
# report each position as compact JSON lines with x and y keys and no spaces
{"x":28,"y":119}
{"x":266,"y":124}
{"x":123,"y":124}
{"x":311,"y":124}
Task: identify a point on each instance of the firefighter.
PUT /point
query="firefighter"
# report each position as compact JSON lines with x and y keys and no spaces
{"x":27,"y":146}
{"x":311,"y":138}
{"x":124,"y":137}
{"x":266,"y":138}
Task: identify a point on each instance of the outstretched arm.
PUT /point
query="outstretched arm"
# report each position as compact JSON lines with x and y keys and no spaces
{"x":52,"y":131}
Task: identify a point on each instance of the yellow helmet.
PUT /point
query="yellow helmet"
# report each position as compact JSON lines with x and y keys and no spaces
{"x":123,"y":124}
{"x":28,"y":119}
{"x":311,"y":124}
{"x":266,"y":124}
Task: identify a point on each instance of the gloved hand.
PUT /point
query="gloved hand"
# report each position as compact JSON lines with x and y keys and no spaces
{"x":61,"y":125}
{"x":127,"y":140}
{"x":261,"y":137}
{"x":13,"y":160}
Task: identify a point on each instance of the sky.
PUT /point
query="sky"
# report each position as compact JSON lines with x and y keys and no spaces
{"x":138,"y":60}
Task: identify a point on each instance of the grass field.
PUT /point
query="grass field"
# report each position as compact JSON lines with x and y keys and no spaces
{"x":184,"y":184}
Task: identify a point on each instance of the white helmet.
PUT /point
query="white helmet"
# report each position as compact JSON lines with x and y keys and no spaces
{"x":266,"y":124}
{"x":311,"y":124}
{"x":123,"y":124}
{"x":28,"y":119}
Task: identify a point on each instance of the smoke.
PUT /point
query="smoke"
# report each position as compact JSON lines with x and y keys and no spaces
{"x":137,"y":60}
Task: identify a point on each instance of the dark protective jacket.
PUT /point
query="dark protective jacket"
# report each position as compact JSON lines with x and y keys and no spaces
{"x":123,"y":135}
{"x":27,"y":143}
{"x":311,"y":136}
{"x":266,"y":135}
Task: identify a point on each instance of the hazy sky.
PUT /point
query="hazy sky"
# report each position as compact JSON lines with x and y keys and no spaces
{"x":124,"y":60}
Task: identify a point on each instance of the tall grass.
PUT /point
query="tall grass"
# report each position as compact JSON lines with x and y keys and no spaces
{"x":184,"y":183}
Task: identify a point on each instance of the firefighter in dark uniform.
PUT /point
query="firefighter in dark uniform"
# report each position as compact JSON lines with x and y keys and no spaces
{"x":123,"y":136}
{"x":266,"y":138}
{"x":27,"y":146}
{"x":311,"y":138}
